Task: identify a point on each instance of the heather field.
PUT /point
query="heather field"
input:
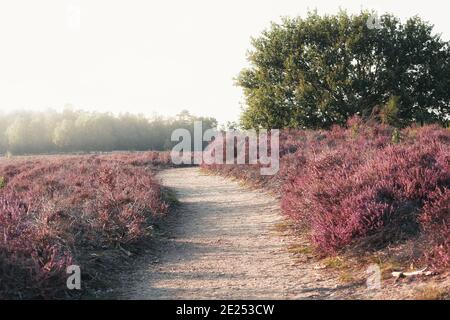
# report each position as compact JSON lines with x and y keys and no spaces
{"x":57,"y":211}
{"x":364,"y":188}
{"x":356,"y":190}
{"x":224,"y":150}
{"x":361,"y":189}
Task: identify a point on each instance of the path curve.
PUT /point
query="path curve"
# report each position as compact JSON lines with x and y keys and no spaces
{"x":223,"y":243}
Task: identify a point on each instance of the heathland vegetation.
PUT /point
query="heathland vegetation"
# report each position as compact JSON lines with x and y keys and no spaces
{"x":365,"y":156}
{"x":92,"y":211}
{"x":365,"y":152}
{"x":364,"y":186}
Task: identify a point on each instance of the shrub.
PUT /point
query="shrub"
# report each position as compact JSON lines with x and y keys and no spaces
{"x":435,"y":220}
{"x":389,"y":113}
{"x":2,"y":182}
{"x":58,"y":211}
{"x":370,"y":185}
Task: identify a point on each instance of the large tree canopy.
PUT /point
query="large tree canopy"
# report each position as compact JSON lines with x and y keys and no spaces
{"x":318,"y":71}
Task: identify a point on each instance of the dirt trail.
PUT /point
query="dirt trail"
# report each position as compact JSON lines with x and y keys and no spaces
{"x":223,"y":243}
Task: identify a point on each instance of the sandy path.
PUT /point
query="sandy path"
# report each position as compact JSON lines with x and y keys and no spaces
{"x":222,"y":243}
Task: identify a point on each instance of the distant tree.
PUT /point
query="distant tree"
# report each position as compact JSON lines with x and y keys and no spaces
{"x":74,"y":131}
{"x":389,"y":113}
{"x":230,"y":126}
{"x":321,"y":70}
{"x":63,"y":134}
{"x":18,"y":135}
{"x":184,"y":115}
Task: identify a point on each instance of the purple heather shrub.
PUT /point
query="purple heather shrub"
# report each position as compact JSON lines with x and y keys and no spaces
{"x":58,"y":211}
{"x":358,"y":185}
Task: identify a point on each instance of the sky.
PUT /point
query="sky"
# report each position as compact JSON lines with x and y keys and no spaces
{"x":149,"y":56}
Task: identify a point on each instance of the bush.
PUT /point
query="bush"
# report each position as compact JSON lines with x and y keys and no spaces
{"x":2,"y":182}
{"x":58,"y":211}
{"x":435,"y":220}
{"x":358,"y":185}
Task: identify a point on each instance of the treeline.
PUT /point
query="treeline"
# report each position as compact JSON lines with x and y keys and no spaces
{"x":28,"y":132}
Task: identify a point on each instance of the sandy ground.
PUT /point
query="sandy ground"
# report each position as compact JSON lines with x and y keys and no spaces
{"x":223,"y":243}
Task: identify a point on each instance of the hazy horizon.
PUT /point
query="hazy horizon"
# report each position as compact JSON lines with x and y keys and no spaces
{"x":141,"y":57}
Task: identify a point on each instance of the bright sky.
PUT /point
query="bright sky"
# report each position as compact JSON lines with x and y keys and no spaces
{"x":145,"y":56}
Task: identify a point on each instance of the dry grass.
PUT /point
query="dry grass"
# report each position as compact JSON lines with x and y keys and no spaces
{"x":431,"y":292}
{"x":336,"y":262}
{"x":283,"y":226}
{"x":300,"y":249}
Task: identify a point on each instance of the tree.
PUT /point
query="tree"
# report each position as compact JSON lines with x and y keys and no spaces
{"x":73,"y":131}
{"x":389,"y":113}
{"x":321,"y":70}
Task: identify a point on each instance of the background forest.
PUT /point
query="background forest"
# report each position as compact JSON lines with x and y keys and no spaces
{"x":79,"y":131}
